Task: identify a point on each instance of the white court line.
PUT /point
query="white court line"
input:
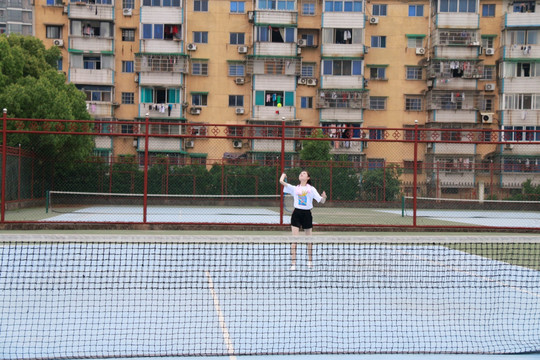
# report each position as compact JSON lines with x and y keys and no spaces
{"x":473,"y":274}
{"x":222,"y":324}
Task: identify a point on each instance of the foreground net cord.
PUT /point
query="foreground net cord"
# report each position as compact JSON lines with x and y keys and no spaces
{"x":112,"y":296}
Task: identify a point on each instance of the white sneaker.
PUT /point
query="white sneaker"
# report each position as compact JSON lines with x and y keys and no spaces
{"x":293,"y":267}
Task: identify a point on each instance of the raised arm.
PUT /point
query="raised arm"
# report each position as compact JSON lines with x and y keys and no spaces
{"x":282,"y":179}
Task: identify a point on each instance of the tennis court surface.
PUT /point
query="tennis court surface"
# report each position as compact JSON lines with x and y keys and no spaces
{"x":114,"y":296}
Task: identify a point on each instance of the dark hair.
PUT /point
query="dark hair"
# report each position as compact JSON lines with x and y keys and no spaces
{"x":309,"y":176}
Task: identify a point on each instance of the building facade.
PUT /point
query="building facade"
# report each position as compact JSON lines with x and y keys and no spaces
{"x":358,"y":68}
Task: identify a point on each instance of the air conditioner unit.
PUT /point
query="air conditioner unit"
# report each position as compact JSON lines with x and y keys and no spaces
{"x":508,"y":146}
{"x":127,"y":12}
{"x":251,"y":16}
{"x":302,"y":81}
{"x":486,"y":118}
{"x":489,"y":87}
{"x":189,"y":143}
{"x":373,"y":20}
{"x":242,"y":49}
{"x":237,"y":144}
{"x":311,"y":82}
{"x":298,"y":51}
{"x":185,"y":104}
{"x":302,"y":42}
{"x":191,"y":47}
{"x":58,"y":42}
{"x":239,"y":81}
{"x":65,"y":9}
{"x":239,"y":111}
{"x":475,"y":43}
{"x":420,"y":51}
{"x":195,"y":111}
{"x":430,"y":145}
{"x":490,"y":51}
{"x":136,"y":78}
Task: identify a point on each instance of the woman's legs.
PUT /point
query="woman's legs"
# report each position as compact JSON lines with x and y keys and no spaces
{"x":309,"y":248}
{"x":295,"y":232}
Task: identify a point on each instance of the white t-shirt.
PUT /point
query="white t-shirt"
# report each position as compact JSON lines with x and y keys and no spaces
{"x":303,"y":196}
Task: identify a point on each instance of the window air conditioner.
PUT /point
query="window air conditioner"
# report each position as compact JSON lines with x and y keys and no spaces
{"x":373,"y":20}
{"x":508,"y":146}
{"x":302,"y":42}
{"x":490,"y":51}
{"x":302,"y":81}
{"x":127,"y":12}
{"x":489,"y":87}
{"x":195,"y":111}
{"x":251,"y":16}
{"x":189,"y":143}
{"x":237,"y":144}
{"x":239,"y":81}
{"x":58,"y":42}
{"x":192,"y":47}
{"x":420,"y":51}
{"x":311,"y":82}
{"x":487,"y":118}
{"x":242,"y":49}
{"x":239,"y":111}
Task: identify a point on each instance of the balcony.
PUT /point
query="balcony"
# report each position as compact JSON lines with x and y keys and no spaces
{"x":160,"y":111}
{"x":99,"y":109}
{"x":342,"y":50}
{"x":519,"y":117}
{"x":91,"y":76}
{"x":522,"y":19}
{"x":272,"y":145}
{"x":343,"y":19}
{"x":459,"y":20}
{"x":342,"y":99}
{"x":345,"y":82}
{"x":517,"y":51}
{"x":166,"y":14}
{"x":159,"y":79}
{"x":273,"y":112}
{"x":277,"y":17}
{"x":82,"y":10}
{"x":164,"y":63}
{"x":161,"y":144}
{"x":159,"y":46}
{"x":275,"y":49}
{"x":273,"y":65}
{"x":456,"y":100}
{"x":447,"y":69}
{"x":93,"y":44}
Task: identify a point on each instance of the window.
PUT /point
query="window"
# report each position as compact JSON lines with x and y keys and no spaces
{"x":238,"y":7}
{"x":161,"y":31}
{"x":53,"y":32}
{"x":488,"y":103}
{"x":524,"y":69}
{"x":199,"y":67}
{"x":97,"y":93}
{"x":377,"y":73}
{"x":309,"y":39}
{"x":415,"y":42}
{"x":127,"y":66}
{"x":128,"y":4}
{"x":375,"y":164}
{"x":200,"y":37}
{"x":306,"y":102}
{"x":377,"y":103}
{"x":236,"y":100}
{"x":200,"y":5}
{"x":92,"y":62}
{"x":128,"y":98}
{"x":416,"y":10}
{"x":308,"y":70}
{"x":199,"y":99}
{"x":60,"y":64}
{"x":236,"y":69}
{"x":413,"y":103}
{"x":159,"y":95}
{"x":275,"y":34}
{"x":128,"y":34}
{"x":50,"y":2}
{"x":521,"y":102}
{"x":378,"y":41}
{"x":273,"y":98}
{"x":489,"y":72}
{"x":237,"y":38}
{"x":524,"y":6}
{"x":343,"y":6}
{"x":308,"y":7}
{"x":342,"y":67}
{"x":462,"y":6}
{"x":487,"y":42}
{"x":160,"y":3}
{"x":379,"y":10}
{"x":408,"y":167}
{"x":277,"y":5}
{"x":488,"y":10}
{"x":126,"y":128}
{"x":413,"y":73}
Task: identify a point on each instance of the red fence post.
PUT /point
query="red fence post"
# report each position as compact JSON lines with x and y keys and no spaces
{"x":4,"y":159}
{"x":415,"y":172}
{"x":145,"y":190}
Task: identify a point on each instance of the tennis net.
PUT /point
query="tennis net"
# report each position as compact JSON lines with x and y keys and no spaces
{"x":86,"y":296}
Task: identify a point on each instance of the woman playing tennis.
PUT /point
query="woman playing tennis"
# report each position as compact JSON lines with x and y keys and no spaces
{"x":303,"y":195}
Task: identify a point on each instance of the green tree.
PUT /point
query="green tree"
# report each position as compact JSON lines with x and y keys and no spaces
{"x":381,"y":184}
{"x":31,"y":87}
{"x":316,"y":150}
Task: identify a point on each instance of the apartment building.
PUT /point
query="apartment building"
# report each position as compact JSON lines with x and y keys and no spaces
{"x":16,"y":17}
{"x":357,"y":67}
